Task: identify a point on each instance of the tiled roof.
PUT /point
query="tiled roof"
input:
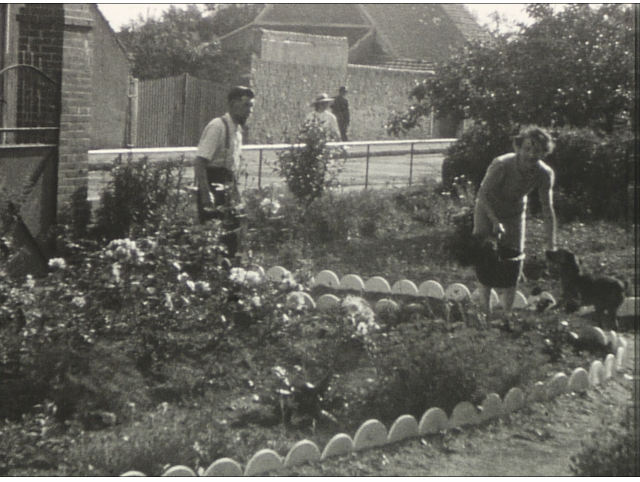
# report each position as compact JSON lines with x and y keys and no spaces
{"x":465,"y":22}
{"x":313,"y":14}
{"x":401,"y":32}
{"x":427,"y":31}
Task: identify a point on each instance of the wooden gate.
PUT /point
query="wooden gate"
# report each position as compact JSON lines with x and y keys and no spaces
{"x":29,"y":133}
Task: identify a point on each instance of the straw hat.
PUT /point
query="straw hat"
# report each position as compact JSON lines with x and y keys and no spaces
{"x":322,"y":98}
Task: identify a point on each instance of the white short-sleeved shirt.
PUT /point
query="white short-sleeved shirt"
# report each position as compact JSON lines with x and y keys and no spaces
{"x":212,"y":145}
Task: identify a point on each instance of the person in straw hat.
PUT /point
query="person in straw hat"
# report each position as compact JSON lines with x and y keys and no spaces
{"x":322,"y":114}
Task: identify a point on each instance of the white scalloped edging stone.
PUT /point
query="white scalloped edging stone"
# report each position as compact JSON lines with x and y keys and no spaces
{"x":431,"y":289}
{"x":433,"y":421}
{"x":327,"y":302}
{"x":596,"y":373}
{"x":179,"y":471}
{"x":133,"y":473}
{"x":600,"y":336}
{"x":619,"y":358}
{"x":464,"y":413}
{"x":385,"y":305}
{"x":300,"y":298}
{"x":265,"y":460}
{"x":371,"y":433}
{"x":276,"y":273}
{"x":579,"y":380}
{"x":628,"y":307}
{"x":405,"y":287}
{"x":513,"y":400}
{"x":340,"y":444}
{"x":494,"y":299}
{"x":457,"y":292}
{"x":558,"y":385}
{"x":327,"y":278}
{"x":301,"y":453}
{"x":406,"y":426}
{"x":224,"y":467}
{"x":377,"y":284}
{"x":612,"y":339}
{"x":491,"y":407}
{"x":609,"y":366}
{"x":520,"y":301}
{"x":352,"y":282}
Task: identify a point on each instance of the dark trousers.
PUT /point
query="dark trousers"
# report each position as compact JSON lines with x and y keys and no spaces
{"x":231,"y":223}
{"x":343,"y":131}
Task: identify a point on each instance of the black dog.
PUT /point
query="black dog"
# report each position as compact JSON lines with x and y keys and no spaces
{"x":605,"y":293}
{"x":496,"y":266}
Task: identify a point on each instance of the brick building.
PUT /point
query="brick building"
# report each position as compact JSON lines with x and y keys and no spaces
{"x":65,"y":85}
{"x":64,"y":81}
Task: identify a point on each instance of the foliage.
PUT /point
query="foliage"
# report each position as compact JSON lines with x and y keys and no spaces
{"x":186,"y":41}
{"x":609,"y":453}
{"x":422,"y":365}
{"x":572,"y":67}
{"x":593,"y":171}
{"x":313,"y":168}
{"x":138,"y":197}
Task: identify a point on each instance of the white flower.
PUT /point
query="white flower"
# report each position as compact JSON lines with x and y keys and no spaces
{"x":57,"y":263}
{"x":256,"y":301}
{"x":253,"y":278}
{"x":116,"y":271}
{"x":203,"y":286}
{"x":79,"y":301}
{"x":237,"y":275}
{"x":183,"y":277}
{"x":191,"y":285}
{"x":168,"y":302}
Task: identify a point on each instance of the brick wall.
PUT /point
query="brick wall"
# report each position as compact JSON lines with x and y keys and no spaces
{"x":75,"y":100}
{"x":39,"y":45}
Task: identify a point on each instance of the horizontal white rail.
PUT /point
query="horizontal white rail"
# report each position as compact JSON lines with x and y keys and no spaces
{"x":274,"y":147}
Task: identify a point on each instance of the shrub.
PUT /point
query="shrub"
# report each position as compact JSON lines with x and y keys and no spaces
{"x":138,"y":197}
{"x":592,"y":174}
{"x":313,"y":168}
{"x":608,"y":454}
{"x":421,"y":365}
{"x":592,"y":171}
{"x":472,"y":153}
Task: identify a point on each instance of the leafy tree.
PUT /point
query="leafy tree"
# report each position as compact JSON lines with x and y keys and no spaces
{"x":573,"y":68}
{"x":186,"y":41}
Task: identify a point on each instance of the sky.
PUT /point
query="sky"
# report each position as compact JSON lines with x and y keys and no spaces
{"x":119,"y":14}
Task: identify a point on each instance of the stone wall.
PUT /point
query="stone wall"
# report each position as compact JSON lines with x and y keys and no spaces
{"x":110,"y":101}
{"x":285,"y":91}
{"x":374,"y":93}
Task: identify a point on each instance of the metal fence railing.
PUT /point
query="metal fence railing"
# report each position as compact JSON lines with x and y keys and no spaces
{"x":369,"y":164}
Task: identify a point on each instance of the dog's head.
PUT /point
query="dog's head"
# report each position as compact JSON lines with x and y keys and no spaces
{"x":564,"y":260}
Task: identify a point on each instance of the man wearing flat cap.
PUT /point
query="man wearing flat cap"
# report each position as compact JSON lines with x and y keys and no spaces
{"x":218,"y":158}
{"x":322,"y":114}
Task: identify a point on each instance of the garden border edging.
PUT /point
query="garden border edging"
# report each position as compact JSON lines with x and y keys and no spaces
{"x":372,"y":433}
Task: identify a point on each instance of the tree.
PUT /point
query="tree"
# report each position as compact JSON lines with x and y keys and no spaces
{"x":186,"y":41}
{"x":573,"y":67}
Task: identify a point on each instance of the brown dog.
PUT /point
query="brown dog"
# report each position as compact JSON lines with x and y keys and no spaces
{"x":605,"y":293}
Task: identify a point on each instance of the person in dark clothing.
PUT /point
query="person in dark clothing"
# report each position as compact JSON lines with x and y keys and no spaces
{"x":340,"y":109}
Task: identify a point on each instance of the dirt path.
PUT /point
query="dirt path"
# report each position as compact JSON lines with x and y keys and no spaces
{"x":537,"y":441}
